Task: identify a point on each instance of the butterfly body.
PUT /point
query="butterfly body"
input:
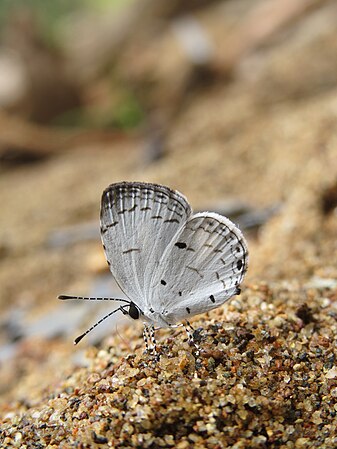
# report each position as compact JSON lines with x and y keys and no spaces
{"x":170,"y":263}
{"x":156,"y":319}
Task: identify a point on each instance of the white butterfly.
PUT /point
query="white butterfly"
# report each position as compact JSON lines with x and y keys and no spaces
{"x":170,"y":263}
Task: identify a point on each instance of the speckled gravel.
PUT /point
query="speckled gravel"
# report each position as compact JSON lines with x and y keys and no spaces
{"x":266,"y":377}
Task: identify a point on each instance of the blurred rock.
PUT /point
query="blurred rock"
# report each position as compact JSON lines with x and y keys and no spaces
{"x":73,"y":234}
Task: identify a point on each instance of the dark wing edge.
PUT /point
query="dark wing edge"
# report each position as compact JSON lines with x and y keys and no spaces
{"x":143,"y":185}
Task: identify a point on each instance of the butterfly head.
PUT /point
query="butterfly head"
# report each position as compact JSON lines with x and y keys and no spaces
{"x":134,"y":312}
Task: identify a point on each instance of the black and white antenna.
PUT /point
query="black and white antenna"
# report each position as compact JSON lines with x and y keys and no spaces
{"x":90,"y":298}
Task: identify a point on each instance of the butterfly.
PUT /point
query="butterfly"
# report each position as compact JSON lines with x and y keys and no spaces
{"x":170,"y":263}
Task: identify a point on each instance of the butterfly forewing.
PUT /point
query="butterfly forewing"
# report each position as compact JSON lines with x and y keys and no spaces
{"x":138,"y":221}
{"x":201,"y":267}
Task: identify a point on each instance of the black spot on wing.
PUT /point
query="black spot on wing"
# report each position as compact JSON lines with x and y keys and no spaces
{"x":175,"y":211}
{"x":171,"y":220}
{"x":188,"y":310}
{"x":163,"y":282}
{"x":180,"y":245}
{"x":131,"y":250}
{"x":239,"y":264}
{"x":161,"y":196}
{"x":108,"y":226}
{"x":205,"y":229}
{"x":212,"y":298}
{"x":219,"y":279}
{"x":196,"y":270}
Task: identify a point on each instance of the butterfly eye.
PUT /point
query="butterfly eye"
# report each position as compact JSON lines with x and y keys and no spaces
{"x":133,"y":311}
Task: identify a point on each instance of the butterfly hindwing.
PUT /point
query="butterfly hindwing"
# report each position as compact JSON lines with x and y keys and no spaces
{"x":201,"y":268}
{"x":138,"y":221}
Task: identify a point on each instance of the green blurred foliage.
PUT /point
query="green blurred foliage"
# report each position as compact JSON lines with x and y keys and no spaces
{"x":50,"y":12}
{"x":126,"y":114}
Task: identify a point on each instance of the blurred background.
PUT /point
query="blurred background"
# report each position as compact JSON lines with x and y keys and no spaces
{"x":232,"y":102}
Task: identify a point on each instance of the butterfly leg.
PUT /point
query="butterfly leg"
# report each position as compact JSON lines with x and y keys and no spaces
{"x":153,"y":342}
{"x":189,"y":331}
{"x":146,"y":337}
{"x":148,"y":334}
